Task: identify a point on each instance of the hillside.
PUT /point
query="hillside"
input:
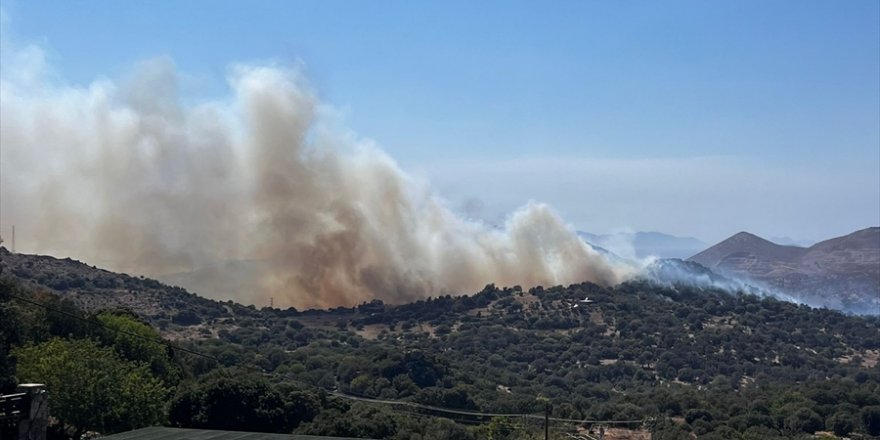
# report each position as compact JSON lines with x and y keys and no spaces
{"x":843,"y":272}
{"x":745,"y":243}
{"x":691,"y":360}
{"x":92,"y":289}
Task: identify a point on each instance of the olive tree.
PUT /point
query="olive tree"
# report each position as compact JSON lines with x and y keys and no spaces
{"x":91,"y":388}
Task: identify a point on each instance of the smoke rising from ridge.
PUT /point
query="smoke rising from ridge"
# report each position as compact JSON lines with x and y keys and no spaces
{"x":130,"y":178}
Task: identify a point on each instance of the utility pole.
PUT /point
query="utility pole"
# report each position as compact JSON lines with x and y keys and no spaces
{"x":546,"y":403}
{"x":13,"y":239}
{"x":547,"y":421}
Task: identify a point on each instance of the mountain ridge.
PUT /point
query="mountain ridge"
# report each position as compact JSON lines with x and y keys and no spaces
{"x":841,"y":272}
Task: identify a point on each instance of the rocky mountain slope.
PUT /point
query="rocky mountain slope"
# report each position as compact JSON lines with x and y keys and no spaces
{"x":91,"y":288}
{"x":843,"y":272}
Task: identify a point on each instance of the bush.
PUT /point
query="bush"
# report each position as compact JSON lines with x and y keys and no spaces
{"x":840,"y":423}
{"x":186,"y":317}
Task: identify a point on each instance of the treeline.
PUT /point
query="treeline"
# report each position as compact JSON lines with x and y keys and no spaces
{"x":686,"y":361}
{"x":108,"y":372}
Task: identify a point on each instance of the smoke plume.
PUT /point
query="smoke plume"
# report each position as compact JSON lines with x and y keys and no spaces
{"x":130,"y":177}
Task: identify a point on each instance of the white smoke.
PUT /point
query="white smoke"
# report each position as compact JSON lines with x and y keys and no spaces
{"x":131,"y":178}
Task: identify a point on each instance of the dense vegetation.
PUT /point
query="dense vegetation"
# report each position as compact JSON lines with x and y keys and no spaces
{"x":680,"y":361}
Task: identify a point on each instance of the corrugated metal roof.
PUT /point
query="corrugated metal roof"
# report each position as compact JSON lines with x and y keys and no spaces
{"x":161,"y":433}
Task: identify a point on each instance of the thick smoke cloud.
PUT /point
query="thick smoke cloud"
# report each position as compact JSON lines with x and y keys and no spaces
{"x":129,"y":177}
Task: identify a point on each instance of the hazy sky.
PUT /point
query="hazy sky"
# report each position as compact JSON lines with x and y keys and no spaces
{"x":693,"y":118}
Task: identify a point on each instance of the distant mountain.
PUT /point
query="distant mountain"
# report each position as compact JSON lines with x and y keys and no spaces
{"x":842,"y":272}
{"x":743,"y":244}
{"x":665,"y":246}
{"x":788,"y":241}
{"x":645,"y":244}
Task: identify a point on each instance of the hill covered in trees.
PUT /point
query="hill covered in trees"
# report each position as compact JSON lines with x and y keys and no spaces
{"x":674,"y":360}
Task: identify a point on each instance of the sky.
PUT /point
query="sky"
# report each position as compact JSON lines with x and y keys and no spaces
{"x":688,"y":117}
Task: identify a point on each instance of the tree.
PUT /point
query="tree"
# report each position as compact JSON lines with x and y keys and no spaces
{"x":92,"y":388}
{"x":412,"y":428}
{"x":841,"y":423}
{"x":301,"y":406}
{"x":456,"y":397}
{"x":138,"y":342}
{"x":361,"y":421}
{"x":186,"y":317}
{"x":696,"y":414}
{"x":228,"y":401}
{"x":870,"y":417}
{"x":500,"y":428}
{"x":9,"y":334}
{"x":803,"y":420}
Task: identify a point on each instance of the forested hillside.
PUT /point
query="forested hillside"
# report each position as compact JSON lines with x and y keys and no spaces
{"x":678,"y":361}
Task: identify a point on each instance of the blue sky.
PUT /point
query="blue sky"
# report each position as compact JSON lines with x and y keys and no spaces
{"x":695,"y":118}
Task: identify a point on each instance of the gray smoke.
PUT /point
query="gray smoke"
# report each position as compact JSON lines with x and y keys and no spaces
{"x":129,"y":177}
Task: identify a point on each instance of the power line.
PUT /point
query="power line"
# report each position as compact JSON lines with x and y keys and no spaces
{"x":332,"y":392}
{"x":475,"y":413}
{"x":125,"y":332}
{"x":158,"y":340}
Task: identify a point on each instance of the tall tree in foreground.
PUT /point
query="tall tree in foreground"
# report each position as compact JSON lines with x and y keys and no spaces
{"x":9,"y":335}
{"x":92,"y":388}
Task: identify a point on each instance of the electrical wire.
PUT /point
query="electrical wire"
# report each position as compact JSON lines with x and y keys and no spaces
{"x":125,"y":332}
{"x":331,"y":392}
